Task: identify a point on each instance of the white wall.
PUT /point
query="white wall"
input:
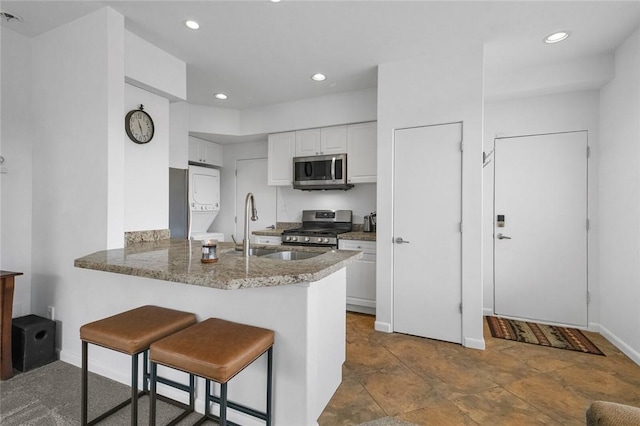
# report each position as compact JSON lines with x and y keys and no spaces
{"x":361,"y":199}
{"x":153,"y":69}
{"x":78,"y":162}
{"x":147,"y":166}
{"x":619,"y":206}
{"x":443,"y":87}
{"x":179,"y":135}
{"x":340,"y":108}
{"x":16,"y":144}
{"x":563,"y":112}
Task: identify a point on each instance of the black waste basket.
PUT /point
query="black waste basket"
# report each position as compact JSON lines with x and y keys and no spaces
{"x":33,"y":342}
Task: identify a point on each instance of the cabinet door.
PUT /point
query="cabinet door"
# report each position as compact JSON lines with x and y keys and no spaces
{"x":361,"y":276}
{"x":307,"y":142}
{"x":333,"y":140}
{"x":195,"y":150}
{"x":280,"y":153}
{"x":211,"y":153}
{"x":362,"y":147}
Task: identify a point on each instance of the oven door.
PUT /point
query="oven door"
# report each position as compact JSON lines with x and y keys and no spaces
{"x":320,"y":172}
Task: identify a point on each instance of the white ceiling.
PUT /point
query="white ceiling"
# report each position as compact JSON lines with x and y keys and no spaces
{"x":262,"y":53}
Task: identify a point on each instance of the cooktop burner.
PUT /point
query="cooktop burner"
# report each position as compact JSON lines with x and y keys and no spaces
{"x":319,"y":228}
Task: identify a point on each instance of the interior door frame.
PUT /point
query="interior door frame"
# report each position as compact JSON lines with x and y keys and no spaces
{"x":588,"y":227}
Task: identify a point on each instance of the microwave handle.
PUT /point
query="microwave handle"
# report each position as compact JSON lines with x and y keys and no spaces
{"x":333,"y":168}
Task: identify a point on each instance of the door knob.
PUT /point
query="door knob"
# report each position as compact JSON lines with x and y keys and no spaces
{"x":400,"y":240}
{"x":503,"y":237}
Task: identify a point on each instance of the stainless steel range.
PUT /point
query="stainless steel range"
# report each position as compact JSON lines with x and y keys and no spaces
{"x":319,"y":228}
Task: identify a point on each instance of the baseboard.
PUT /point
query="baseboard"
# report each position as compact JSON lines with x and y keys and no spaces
{"x":125,"y":379}
{"x":361,"y":309}
{"x":385,"y":327}
{"x":620,"y":344}
{"x":487,"y":312}
{"x":469,"y":342}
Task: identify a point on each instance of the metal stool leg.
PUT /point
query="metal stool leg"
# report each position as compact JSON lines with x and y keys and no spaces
{"x":83,"y":415}
{"x":134,"y":390}
{"x":223,"y":404}
{"x":269,"y":380}
{"x":152,"y":403}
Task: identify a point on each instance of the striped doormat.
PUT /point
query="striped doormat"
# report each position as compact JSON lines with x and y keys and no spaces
{"x":540,"y":334}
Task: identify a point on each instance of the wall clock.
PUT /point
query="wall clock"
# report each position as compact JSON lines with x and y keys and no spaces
{"x":139,"y":125}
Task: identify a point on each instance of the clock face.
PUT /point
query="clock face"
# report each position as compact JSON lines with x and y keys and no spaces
{"x":139,"y":126}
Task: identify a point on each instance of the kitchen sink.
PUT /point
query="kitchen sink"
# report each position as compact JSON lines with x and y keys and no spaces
{"x":269,"y":253}
{"x":290,"y":255}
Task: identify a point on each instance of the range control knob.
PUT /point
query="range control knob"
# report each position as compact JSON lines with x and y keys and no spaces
{"x":306,"y":239}
{"x":319,"y":240}
{"x":326,"y":240}
{"x":287,"y":238}
{"x":294,"y":238}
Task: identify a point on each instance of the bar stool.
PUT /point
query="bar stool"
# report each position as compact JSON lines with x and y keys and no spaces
{"x":216,"y":350}
{"x":132,"y":332}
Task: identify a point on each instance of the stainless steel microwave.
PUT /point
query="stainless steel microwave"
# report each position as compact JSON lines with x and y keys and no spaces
{"x":320,"y":172}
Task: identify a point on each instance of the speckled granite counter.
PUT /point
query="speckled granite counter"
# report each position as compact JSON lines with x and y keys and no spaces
{"x":358,"y":235}
{"x":268,"y":232}
{"x":179,"y":261}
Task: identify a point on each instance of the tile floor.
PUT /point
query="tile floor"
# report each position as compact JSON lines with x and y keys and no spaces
{"x":425,"y":381}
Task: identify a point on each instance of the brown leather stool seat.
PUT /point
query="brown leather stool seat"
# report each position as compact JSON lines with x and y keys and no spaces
{"x":131,"y":333}
{"x":216,"y":350}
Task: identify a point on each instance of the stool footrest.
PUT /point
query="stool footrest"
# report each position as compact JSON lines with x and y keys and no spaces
{"x":242,"y":408}
{"x":173,"y":384}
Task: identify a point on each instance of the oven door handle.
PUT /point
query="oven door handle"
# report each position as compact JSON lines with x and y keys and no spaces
{"x":333,"y":168}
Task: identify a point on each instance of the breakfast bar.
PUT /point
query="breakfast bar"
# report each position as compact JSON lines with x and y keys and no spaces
{"x":303,"y":301}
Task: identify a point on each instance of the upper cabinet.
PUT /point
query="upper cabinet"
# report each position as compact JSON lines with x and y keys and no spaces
{"x":205,"y":152}
{"x":359,"y":141}
{"x":280,"y":158}
{"x":324,"y":141}
{"x":362,"y":147}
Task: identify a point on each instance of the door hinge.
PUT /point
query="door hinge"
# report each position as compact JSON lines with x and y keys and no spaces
{"x":588,"y":297}
{"x":588,"y":225}
{"x":588,"y":152}
{"x":461,"y":146}
{"x":236,"y":172}
{"x":235,"y":219}
{"x":461,"y":227}
{"x":460,"y":307}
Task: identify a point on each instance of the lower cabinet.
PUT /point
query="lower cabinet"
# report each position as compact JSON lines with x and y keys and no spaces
{"x":361,"y":277}
{"x":269,"y":240}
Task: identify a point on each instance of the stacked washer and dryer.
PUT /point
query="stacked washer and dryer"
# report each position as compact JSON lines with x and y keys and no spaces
{"x":194,"y":202}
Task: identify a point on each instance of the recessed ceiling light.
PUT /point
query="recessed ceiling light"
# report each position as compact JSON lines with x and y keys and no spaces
{"x":192,"y":24}
{"x":274,"y":1}
{"x":556,"y":37}
{"x":221,"y":96}
{"x":318,"y":77}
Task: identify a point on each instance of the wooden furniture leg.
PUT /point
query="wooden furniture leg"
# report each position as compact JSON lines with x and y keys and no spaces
{"x":6,"y":306}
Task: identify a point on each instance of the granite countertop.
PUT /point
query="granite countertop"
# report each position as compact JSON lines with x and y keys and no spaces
{"x":179,"y":261}
{"x":358,"y":235}
{"x":268,"y":232}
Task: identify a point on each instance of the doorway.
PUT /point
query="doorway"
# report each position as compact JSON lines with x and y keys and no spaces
{"x":427,"y":214}
{"x":540,"y":228}
{"x":251,"y":176}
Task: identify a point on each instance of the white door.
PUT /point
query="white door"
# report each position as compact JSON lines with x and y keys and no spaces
{"x":427,"y":208}
{"x":251,"y":176}
{"x":540,"y":249}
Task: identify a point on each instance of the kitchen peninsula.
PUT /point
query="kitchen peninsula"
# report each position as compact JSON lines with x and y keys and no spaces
{"x":303,"y":301}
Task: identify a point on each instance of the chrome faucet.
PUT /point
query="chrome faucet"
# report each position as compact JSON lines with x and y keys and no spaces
{"x":249,"y":201}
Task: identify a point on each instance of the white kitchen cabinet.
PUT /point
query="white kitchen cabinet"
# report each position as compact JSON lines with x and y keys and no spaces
{"x":361,"y":276}
{"x":362,"y":146}
{"x":280,"y":154}
{"x":205,"y":152}
{"x":323,"y":141}
{"x":267,"y":239}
